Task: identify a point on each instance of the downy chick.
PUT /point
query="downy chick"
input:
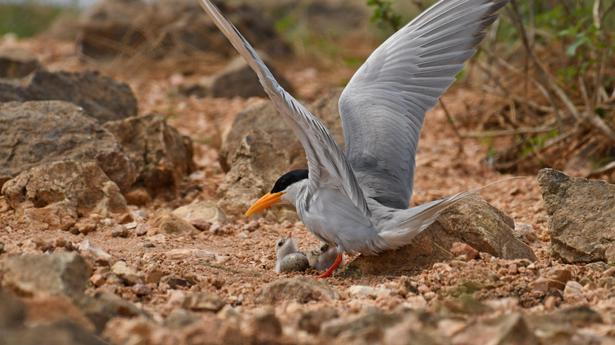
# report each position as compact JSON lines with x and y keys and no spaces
{"x":288,"y":258}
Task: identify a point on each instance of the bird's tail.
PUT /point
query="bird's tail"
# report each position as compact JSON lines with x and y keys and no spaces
{"x":416,"y":219}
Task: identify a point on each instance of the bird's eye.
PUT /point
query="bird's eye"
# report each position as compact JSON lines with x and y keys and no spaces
{"x":280,"y":243}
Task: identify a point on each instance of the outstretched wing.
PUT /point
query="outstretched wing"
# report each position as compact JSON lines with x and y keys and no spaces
{"x":326,"y":162}
{"x":383,"y":106}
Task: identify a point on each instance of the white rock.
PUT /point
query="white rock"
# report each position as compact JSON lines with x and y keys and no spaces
{"x":573,"y":292}
{"x":363,"y":291}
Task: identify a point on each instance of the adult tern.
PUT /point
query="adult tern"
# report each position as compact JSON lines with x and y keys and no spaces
{"x":357,"y":200}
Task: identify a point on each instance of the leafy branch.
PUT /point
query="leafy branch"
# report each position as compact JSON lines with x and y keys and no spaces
{"x":384,"y":15}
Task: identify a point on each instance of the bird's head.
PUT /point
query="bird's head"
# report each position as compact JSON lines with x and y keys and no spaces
{"x":283,"y":190}
{"x":285,"y":246}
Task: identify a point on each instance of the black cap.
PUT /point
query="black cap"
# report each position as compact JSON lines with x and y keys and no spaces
{"x":289,"y":178}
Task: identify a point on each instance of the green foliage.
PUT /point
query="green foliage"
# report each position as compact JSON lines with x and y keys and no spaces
{"x":384,"y":15}
{"x":25,"y":20}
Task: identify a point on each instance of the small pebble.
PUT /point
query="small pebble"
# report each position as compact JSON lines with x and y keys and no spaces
{"x":119,"y":231}
{"x":142,"y":229}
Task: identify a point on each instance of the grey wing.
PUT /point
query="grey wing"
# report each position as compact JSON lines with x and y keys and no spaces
{"x":384,"y":104}
{"x":326,"y":162}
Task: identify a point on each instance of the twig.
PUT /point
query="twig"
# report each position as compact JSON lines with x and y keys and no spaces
{"x":603,"y":170}
{"x":506,"y":132}
{"x":549,"y":80}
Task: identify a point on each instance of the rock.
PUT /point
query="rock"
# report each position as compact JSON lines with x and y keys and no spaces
{"x":55,"y":274}
{"x":369,"y":326}
{"x":302,"y":290}
{"x":312,"y":320}
{"x":363,"y":291}
{"x":180,"y":318}
{"x":98,"y":254}
{"x":464,"y":249}
{"x":200,"y":214}
{"x":260,"y":148}
{"x":72,"y":185}
{"x":101,"y":97}
{"x":86,"y":225}
{"x":203,"y":301}
{"x":61,"y":333}
{"x":264,"y":324}
{"x":104,"y":306}
{"x":581,"y":217}
{"x":294,"y":262}
{"x":472,"y":221}
{"x":573,"y":293}
{"x":127,"y":274}
{"x":176,"y":28}
{"x":15,"y":63}
{"x":119,"y":231}
{"x":171,"y":224}
{"x":511,"y":329}
{"x":237,"y":79}
{"x":162,"y":155}
{"x":39,"y":133}
{"x":52,"y":309}
{"x":12,"y":310}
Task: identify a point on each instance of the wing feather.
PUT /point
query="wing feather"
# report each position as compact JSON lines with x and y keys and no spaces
{"x":326,"y":161}
{"x":384,"y":104}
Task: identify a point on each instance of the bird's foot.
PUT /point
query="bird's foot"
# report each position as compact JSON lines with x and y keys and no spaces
{"x":336,"y":264}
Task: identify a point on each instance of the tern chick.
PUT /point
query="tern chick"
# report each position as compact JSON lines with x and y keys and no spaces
{"x":322,"y":258}
{"x":288,"y":258}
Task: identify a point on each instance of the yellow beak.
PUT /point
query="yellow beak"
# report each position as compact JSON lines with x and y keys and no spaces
{"x":264,"y":203}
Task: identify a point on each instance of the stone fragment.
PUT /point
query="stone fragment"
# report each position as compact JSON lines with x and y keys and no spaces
{"x":511,"y":329}
{"x":265,"y":325}
{"x":161,"y":155}
{"x":363,"y":291}
{"x":42,"y":132}
{"x":127,"y":274}
{"x":78,"y":187}
{"x":312,"y":320}
{"x":301,"y":290}
{"x":15,"y":63}
{"x":581,"y":217}
{"x":172,"y":224}
{"x":120,"y":28}
{"x":472,"y":221}
{"x":237,"y":79}
{"x":54,"y":274}
{"x":203,"y":301}
{"x":104,"y":306}
{"x":369,"y":326}
{"x":200,"y":213}
{"x":460,"y":248}
{"x":101,"y":97}
{"x":12,"y":310}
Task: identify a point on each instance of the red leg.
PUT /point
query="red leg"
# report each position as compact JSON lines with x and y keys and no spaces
{"x":336,"y":264}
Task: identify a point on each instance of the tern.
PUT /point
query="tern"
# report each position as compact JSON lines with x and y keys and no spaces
{"x":357,"y":200}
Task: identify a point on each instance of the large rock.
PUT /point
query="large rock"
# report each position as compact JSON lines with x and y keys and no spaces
{"x":472,"y":221}
{"x":12,"y":310}
{"x":78,"y":186}
{"x":102,"y":97}
{"x":300,"y":290}
{"x":511,"y":329}
{"x":17,"y":63}
{"x":260,"y":148}
{"x":582,"y":217}
{"x":162,"y":156}
{"x":38,"y":133}
{"x":60,"y":333}
{"x":237,"y":79}
{"x":157,"y":29}
{"x":39,"y":275}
